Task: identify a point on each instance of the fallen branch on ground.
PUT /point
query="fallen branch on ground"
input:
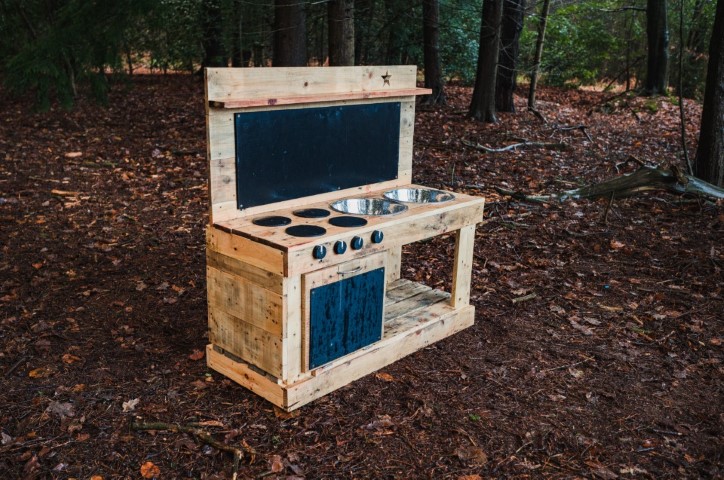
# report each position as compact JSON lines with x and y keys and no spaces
{"x":645,"y":179}
{"x":566,"y":128}
{"x":203,"y":437}
{"x":483,"y":148}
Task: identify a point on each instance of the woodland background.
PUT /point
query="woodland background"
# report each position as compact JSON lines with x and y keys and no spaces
{"x":597,"y":349}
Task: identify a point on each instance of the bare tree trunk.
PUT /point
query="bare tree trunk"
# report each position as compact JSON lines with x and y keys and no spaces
{"x":709,"y":161}
{"x":482,"y":106}
{"x":508,"y":57}
{"x":394,"y":38}
{"x":340,"y":15}
{"x":657,"y":33}
{"x":538,"y":52}
{"x":431,"y":41}
{"x":213,"y":48}
{"x":290,"y":34}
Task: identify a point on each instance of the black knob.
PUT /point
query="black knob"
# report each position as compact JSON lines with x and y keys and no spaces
{"x":377,"y":236}
{"x":340,"y":247}
{"x":357,"y":243}
{"x":319,"y":252}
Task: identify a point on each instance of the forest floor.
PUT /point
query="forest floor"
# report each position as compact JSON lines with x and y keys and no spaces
{"x":612,"y":367}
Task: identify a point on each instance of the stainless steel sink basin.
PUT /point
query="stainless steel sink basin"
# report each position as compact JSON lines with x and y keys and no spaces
{"x":419,"y":195}
{"x":368,"y":206}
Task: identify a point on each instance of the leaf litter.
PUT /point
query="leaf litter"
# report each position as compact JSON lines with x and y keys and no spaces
{"x":102,"y":285}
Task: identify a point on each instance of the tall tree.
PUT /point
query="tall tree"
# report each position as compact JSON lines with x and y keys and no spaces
{"x":290,"y":34}
{"x":709,"y":161}
{"x":482,"y":106}
{"x":214,"y":54}
{"x":657,"y":33}
{"x":510,"y":29}
{"x":538,"y":52}
{"x":340,"y":15}
{"x":431,"y":50}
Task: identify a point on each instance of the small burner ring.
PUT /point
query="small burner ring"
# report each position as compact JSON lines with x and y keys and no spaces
{"x":306,"y":231}
{"x":272,"y":221}
{"x":349,"y":222}
{"x":311,"y":213}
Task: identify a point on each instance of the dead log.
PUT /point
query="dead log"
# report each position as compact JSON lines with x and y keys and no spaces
{"x":645,"y":179}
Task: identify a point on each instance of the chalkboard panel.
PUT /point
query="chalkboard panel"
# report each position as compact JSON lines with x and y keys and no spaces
{"x":287,"y":154}
{"x":345,"y":316}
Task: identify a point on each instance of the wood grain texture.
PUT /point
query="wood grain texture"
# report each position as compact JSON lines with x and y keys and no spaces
{"x":463,"y":266}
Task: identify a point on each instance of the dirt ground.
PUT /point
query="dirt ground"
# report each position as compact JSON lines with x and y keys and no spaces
{"x":596,"y":353}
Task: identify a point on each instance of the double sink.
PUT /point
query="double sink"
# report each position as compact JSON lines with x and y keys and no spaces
{"x":392,"y":203}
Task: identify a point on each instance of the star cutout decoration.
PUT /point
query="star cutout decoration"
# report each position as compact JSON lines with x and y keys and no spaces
{"x":386,"y":78}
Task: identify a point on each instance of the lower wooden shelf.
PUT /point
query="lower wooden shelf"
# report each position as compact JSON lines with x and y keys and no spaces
{"x":415,"y":317}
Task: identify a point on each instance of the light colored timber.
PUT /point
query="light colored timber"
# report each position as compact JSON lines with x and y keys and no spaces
{"x":243,"y":249}
{"x":222,"y":166}
{"x":307,"y":99}
{"x":245,"y":300}
{"x":413,"y":329}
{"x":246,"y":376}
{"x":265,"y":279}
{"x":415,"y":303}
{"x":255,"y":345}
{"x":428,"y":223}
{"x":463,"y":266}
{"x":435,"y":324}
{"x":225,"y":84}
{"x":401,"y":289}
{"x":393,"y":263}
{"x":292,"y":351}
{"x":227,"y":212}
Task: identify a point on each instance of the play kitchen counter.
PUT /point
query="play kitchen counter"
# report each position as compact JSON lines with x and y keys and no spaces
{"x":311,"y":203}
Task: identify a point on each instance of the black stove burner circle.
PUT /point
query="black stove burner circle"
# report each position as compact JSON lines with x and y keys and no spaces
{"x":272,"y":221}
{"x":346,"y":221}
{"x":311,"y":213}
{"x":306,"y":231}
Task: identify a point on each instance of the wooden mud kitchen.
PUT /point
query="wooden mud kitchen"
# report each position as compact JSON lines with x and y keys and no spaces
{"x":311,"y":202}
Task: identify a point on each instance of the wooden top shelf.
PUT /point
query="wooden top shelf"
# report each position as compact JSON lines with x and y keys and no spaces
{"x":329,"y":97}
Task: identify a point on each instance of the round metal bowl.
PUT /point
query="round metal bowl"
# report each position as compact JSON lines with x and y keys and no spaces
{"x":368,"y":206}
{"x":419,"y":195}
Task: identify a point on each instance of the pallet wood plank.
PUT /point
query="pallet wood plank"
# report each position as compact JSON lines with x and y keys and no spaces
{"x":225,"y":84}
{"x":245,"y":376}
{"x":309,"y":99}
{"x":243,"y":249}
{"x":245,"y":300}
{"x":253,"y":344}
{"x":446,"y":322}
{"x":402,"y":289}
{"x":256,"y":275}
{"x":415,"y":303}
{"x":293,"y":329}
{"x":463,"y":266}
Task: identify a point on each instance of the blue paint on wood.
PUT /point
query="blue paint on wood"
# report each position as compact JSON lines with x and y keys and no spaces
{"x":345,"y":316}
{"x":287,"y":154}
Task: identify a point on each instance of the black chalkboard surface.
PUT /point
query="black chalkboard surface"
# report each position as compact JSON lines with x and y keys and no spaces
{"x":288,"y":154}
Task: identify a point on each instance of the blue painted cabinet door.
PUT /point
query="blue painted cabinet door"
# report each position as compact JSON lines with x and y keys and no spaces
{"x":345,"y":316}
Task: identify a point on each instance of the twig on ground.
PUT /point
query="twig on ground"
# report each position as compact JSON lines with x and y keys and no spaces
{"x":538,"y":115}
{"x":483,"y":148}
{"x":13,"y":367}
{"x":524,"y":298}
{"x":203,"y":437}
{"x":566,"y":128}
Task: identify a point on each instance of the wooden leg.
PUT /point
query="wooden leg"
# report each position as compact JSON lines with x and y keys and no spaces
{"x":293,"y":332}
{"x":463,"y":269}
{"x":393,"y":264}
